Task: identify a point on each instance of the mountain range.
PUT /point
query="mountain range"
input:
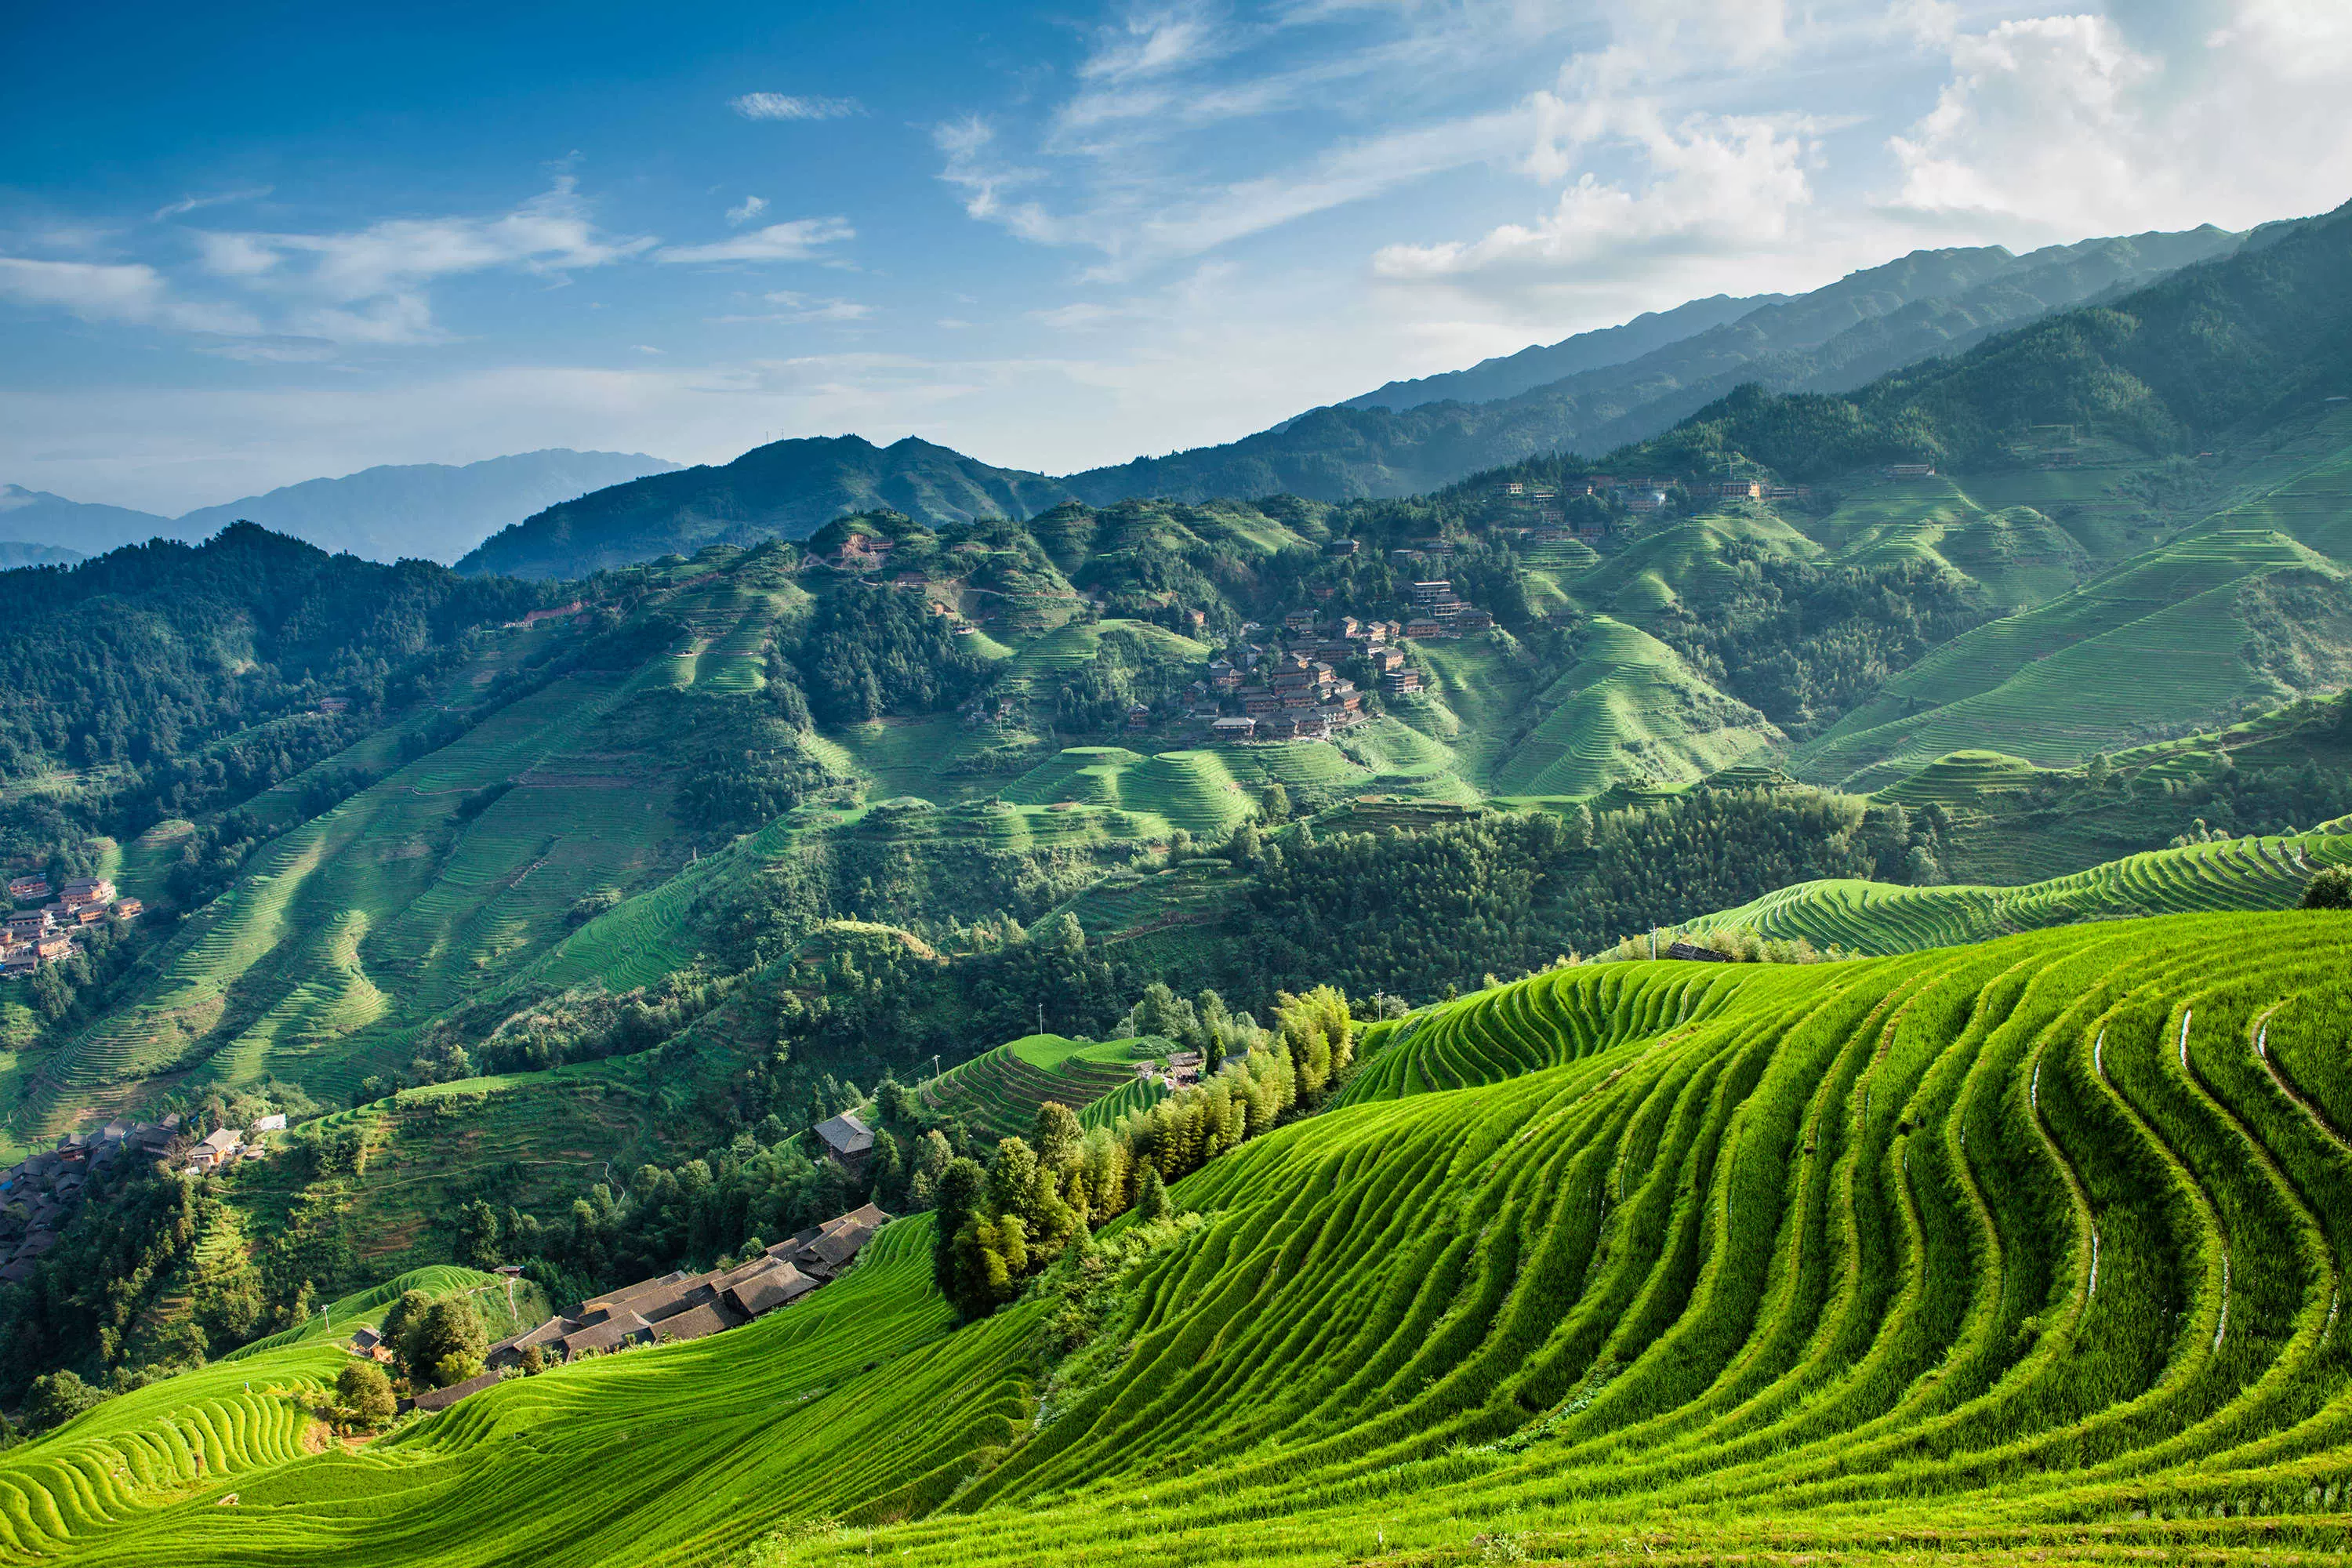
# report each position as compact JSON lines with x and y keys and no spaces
{"x":1591,"y":393}
{"x":433,"y":512}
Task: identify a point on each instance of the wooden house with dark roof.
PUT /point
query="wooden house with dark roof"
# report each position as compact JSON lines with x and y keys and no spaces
{"x":847,"y":1140}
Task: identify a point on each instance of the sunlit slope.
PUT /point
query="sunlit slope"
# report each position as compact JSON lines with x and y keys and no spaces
{"x":1884,"y":917}
{"x":2036,"y":1245}
{"x":672,"y":1456}
{"x":392,"y":905}
{"x":2174,"y":635}
{"x":1630,"y":711}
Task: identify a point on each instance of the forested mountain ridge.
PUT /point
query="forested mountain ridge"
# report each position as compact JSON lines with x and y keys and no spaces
{"x":1926,"y":304}
{"x":787,"y":490}
{"x":1508,"y":376}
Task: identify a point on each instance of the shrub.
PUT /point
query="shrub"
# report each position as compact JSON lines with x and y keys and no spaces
{"x":365,"y":1394}
{"x":56,"y":1398}
{"x":2330,"y":888}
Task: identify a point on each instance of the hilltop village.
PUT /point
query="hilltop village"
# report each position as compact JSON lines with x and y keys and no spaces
{"x":40,"y":1196}
{"x":45,"y":930}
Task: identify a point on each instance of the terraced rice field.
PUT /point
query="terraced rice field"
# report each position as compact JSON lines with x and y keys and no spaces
{"x":384,"y":909}
{"x":1882,"y":917}
{"x":2031,"y":1250}
{"x":1962,"y":778}
{"x":1630,"y":711}
{"x":2159,"y":641}
{"x":998,"y":1093}
{"x":1197,"y":790}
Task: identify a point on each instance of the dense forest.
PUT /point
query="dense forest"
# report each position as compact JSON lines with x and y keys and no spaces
{"x":1419,"y":914}
{"x":177,"y":679}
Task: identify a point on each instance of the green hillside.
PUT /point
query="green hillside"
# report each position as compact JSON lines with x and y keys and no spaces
{"x":2026,"y":1247}
{"x":1882,"y":917}
{"x":998,"y":1093}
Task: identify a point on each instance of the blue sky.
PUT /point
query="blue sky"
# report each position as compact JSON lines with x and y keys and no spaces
{"x":248,"y":245}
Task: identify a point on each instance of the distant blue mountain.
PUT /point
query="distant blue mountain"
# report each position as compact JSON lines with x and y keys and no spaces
{"x":437,"y":510}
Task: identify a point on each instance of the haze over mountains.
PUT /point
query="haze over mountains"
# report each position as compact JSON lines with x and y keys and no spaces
{"x":433,"y":511}
{"x":1591,"y":394}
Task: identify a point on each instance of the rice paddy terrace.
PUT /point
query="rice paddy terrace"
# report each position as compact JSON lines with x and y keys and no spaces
{"x":999,"y":1092}
{"x":1882,"y":917}
{"x":2031,"y":1248}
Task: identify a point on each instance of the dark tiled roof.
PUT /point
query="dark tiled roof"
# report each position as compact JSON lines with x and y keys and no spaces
{"x":604,"y":1335}
{"x":844,"y":1134}
{"x":692,"y":1324}
{"x":777,"y":1285}
{"x":442,"y":1399}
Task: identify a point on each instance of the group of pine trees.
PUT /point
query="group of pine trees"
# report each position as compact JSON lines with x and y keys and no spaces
{"x":1002,"y":1221}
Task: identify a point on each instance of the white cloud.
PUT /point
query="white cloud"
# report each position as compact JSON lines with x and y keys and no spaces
{"x":129,"y":292}
{"x":786,"y":106}
{"x":1154,"y":41}
{"x":795,"y":309}
{"x":1142,"y":226}
{"x":2061,"y":123}
{"x":749,"y":208}
{"x":800,"y":240}
{"x":186,"y":205}
{"x":1719,"y":185}
{"x":369,"y":284}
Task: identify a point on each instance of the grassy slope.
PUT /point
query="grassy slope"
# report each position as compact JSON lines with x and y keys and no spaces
{"x":2019,"y":1247}
{"x":1628,"y":710}
{"x":1880,"y":917}
{"x":999,"y":1092}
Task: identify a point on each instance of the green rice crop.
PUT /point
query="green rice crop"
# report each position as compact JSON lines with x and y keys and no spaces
{"x":2031,"y":1250}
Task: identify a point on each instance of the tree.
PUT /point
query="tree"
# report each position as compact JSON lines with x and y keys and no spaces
{"x":449,"y":1344}
{"x":961,"y":1188}
{"x":1274,"y":802}
{"x":1151,"y":1197}
{"x":402,"y":1322}
{"x":362,"y":1389}
{"x":478,"y":1235}
{"x":2329,"y":889}
{"x":1057,"y":1132}
{"x":56,"y":1398}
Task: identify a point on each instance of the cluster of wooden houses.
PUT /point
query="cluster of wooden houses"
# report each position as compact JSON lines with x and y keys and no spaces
{"x":39,"y":1194}
{"x":1296,"y":693}
{"x":680,"y":1306}
{"x":51,"y":930}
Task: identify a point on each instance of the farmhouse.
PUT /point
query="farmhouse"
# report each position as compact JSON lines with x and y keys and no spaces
{"x":1397,"y":682}
{"x":84,"y":893}
{"x":847,"y":1140}
{"x":1234,"y":729}
{"x":24,"y":889}
{"x":1909,"y":470}
{"x":681,"y":1306}
{"x":1737,"y":489}
{"x":1423,"y":626}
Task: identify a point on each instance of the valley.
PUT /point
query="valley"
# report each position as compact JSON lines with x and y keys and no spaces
{"x":1771,"y":990}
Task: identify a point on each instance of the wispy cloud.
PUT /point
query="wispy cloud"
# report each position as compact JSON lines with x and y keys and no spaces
{"x":801,"y":240}
{"x":797,"y":309}
{"x":747,"y":209}
{"x":186,"y":205}
{"x":128,"y":293}
{"x":369,"y":284}
{"x":789,"y":106}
